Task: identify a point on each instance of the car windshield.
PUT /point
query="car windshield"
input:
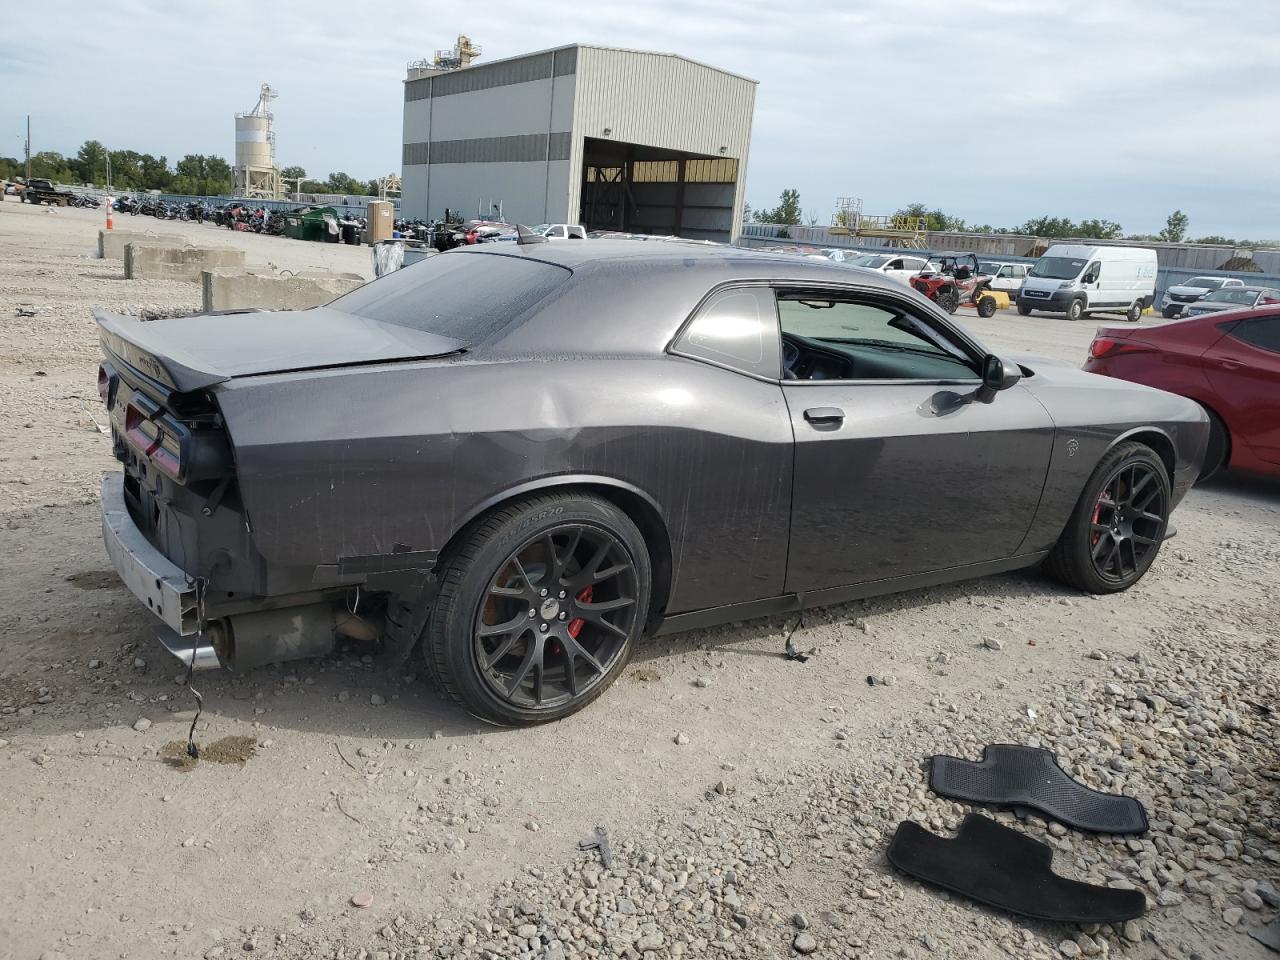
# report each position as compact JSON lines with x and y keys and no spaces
{"x":463,"y":296}
{"x":1245,"y":295}
{"x":1211,"y":283}
{"x":872,"y":262}
{"x":1057,"y":268}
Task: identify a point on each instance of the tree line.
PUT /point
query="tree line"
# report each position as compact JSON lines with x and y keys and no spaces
{"x":788,"y":213}
{"x":195,"y":174}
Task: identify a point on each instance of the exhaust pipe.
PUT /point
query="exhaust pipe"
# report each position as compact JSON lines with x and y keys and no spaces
{"x":250,"y":640}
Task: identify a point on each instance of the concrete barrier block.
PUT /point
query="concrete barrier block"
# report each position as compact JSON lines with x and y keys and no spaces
{"x":149,"y":261}
{"x":111,"y":243}
{"x":245,"y":291}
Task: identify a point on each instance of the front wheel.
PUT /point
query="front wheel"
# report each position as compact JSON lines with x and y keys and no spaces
{"x":1024,"y":310}
{"x":1076,"y":310}
{"x":948,"y":299}
{"x":986,"y":307}
{"x":1118,"y":524}
{"x":1170,"y":312}
{"x":539,"y":609}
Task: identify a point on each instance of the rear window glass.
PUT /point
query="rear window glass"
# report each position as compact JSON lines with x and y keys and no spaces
{"x":463,"y":296}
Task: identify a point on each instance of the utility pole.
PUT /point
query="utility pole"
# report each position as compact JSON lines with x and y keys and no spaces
{"x":28,"y":146}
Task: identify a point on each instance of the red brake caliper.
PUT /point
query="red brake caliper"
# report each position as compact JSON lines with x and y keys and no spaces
{"x":575,"y":625}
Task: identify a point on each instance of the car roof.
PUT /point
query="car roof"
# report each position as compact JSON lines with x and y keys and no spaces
{"x":685,"y":257}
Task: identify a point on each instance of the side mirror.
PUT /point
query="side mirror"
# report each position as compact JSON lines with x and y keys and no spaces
{"x":997,"y":375}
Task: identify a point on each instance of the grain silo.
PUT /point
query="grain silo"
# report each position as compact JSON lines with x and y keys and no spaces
{"x":256,"y":174}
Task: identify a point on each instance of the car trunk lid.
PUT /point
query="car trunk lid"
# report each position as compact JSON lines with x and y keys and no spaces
{"x":194,"y":353}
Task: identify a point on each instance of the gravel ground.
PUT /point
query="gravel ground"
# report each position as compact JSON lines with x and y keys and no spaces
{"x":748,"y":800}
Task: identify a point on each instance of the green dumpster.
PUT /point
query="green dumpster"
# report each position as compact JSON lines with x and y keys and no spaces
{"x":311,"y":223}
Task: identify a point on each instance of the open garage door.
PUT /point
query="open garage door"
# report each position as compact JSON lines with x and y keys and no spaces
{"x":637,"y":189}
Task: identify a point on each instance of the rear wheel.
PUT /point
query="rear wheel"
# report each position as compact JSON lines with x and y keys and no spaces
{"x":1119,"y":522}
{"x":1134,"y":313}
{"x":948,"y":298}
{"x":1076,"y":310}
{"x":539,"y":609}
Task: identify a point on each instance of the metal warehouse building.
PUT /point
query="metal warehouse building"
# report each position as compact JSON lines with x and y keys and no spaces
{"x":612,"y":139}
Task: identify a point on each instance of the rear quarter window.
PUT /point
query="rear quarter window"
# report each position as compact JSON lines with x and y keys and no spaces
{"x":466,"y":297}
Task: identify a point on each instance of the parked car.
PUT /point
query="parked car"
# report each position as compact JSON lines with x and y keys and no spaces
{"x":38,"y":190}
{"x":1077,"y":279}
{"x":1233,"y":298}
{"x":1229,"y":363}
{"x":1004,"y":276}
{"x":900,"y":268}
{"x":523,"y":457}
{"x":1177,"y":297}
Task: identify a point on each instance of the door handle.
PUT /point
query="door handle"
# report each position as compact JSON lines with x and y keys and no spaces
{"x":1228,"y":364}
{"x":824,"y":415}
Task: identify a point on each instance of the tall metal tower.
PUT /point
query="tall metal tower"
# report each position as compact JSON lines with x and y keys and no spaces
{"x":256,"y":174}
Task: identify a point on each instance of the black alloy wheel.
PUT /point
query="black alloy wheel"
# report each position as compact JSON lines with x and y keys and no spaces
{"x":556,"y":616}
{"x":1128,"y":521}
{"x":539,"y":606}
{"x":1118,"y":524}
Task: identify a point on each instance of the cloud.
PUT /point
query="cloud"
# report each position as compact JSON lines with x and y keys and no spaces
{"x":996,"y":110}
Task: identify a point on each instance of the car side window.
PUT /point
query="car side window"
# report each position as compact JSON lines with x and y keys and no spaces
{"x":1006,"y":272}
{"x":848,"y":336}
{"x":736,"y":328}
{"x":1263,"y":333}
{"x":894,"y":265}
{"x":1018,"y":271}
{"x":1092,"y":273}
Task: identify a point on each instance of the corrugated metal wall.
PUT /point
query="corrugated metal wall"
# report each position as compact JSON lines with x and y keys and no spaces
{"x":664,"y":101}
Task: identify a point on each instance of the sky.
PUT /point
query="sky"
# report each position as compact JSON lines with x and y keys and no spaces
{"x":992,"y":110}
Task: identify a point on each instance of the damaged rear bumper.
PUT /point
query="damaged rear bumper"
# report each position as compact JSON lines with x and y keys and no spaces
{"x":152,"y":577}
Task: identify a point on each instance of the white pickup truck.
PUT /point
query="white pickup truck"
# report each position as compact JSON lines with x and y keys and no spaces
{"x":561,"y":231}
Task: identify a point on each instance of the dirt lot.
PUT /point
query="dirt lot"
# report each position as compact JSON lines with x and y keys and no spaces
{"x":748,"y":799}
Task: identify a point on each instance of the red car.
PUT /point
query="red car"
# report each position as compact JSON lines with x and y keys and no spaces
{"x":1228,"y":362}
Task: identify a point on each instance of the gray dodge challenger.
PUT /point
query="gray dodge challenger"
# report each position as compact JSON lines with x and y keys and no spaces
{"x":523,"y":457}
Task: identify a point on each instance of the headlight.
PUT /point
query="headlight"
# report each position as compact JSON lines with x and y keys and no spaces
{"x":1065,"y":284}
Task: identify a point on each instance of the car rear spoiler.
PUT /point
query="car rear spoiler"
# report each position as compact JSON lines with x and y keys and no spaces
{"x":142,"y":346}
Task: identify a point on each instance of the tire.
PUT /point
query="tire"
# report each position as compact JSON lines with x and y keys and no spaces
{"x":503,"y":565}
{"x":986,"y":307}
{"x":1076,"y":310}
{"x":948,"y":299}
{"x":1091,"y":530}
{"x":1134,"y":313}
{"x":1170,"y":312}
{"x":1024,"y":310}
{"x":1218,"y":453}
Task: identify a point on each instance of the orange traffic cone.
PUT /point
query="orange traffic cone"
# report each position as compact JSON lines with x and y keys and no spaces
{"x":110,"y":226}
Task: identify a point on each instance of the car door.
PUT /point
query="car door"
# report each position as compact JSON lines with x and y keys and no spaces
{"x":1004,"y":280}
{"x":894,"y":269}
{"x":1244,"y":369}
{"x":899,"y":469}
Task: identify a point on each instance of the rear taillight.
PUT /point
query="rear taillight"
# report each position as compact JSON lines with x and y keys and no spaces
{"x":162,"y":447}
{"x":1113,"y":346}
{"x":107,"y":383}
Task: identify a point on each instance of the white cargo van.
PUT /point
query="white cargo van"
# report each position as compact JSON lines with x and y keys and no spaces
{"x":1077,"y":278}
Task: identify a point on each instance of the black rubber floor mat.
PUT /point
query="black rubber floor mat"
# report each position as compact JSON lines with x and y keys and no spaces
{"x":1268,"y":936}
{"x":1003,"y":868}
{"x":1015,"y":776}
